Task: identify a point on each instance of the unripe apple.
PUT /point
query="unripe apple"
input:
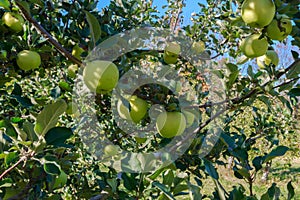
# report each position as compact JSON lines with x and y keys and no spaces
{"x":111,"y":150}
{"x":198,"y":47}
{"x":28,"y":60}
{"x":138,"y":109}
{"x":14,"y":21}
{"x":170,"y":124}
{"x":271,"y":57}
{"x":77,"y":51}
{"x":171,"y":52}
{"x":253,"y":46}
{"x":72,"y":70}
{"x":279,"y":28}
{"x":101,"y":76}
{"x":258,"y":13}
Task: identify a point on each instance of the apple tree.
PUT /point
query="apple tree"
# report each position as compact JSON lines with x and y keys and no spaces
{"x":47,"y":46}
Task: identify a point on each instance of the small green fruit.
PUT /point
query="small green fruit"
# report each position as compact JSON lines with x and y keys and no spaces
{"x":253,"y":46}
{"x":138,"y":109}
{"x":72,"y":70}
{"x":28,"y":60}
{"x":271,"y":57}
{"x":171,"y":52}
{"x":101,"y":76}
{"x":279,"y":28}
{"x":258,"y":13}
{"x":198,"y":47}
{"x":170,"y":124}
{"x":14,"y":21}
{"x":111,"y":150}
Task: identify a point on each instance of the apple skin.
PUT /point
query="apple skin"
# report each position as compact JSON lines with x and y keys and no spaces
{"x":138,"y":109}
{"x":171,"y":52}
{"x":101,"y":76}
{"x":14,"y":21}
{"x":198,"y":47}
{"x":111,"y":150}
{"x":271,"y":57}
{"x":279,"y":28}
{"x":170,"y":124}
{"x":72,"y":70}
{"x":253,"y":47}
{"x":258,"y":13}
{"x":28,"y":60}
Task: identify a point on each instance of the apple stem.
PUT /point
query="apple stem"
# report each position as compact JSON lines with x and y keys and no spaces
{"x":47,"y":35}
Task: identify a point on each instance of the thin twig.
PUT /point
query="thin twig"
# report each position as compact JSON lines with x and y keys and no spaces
{"x":23,"y":158}
{"x":47,"y":35}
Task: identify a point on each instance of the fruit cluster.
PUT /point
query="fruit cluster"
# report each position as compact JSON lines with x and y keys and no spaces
{"x":261,"y":15}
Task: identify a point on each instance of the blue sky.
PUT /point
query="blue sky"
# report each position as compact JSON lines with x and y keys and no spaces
{"x":191,"y":6}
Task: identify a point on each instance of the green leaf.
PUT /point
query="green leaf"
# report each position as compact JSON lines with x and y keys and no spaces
{"x":130,"y":182}
{"x":48,"y":118}
{"x":10,"y":130}
{"x":295,"y":54}
{"x":10,"y":157}
{"x":232,"y":78}
{"x":237,"y":193}
{"x":291,"y":191}
{"x":220,"y":190}
{"x":210,"y":169}
{"x":279,"y":151}
{"x":57,"y":136}
{"x":257,"y":162}
{"x":228,"y":141}
{"x":195,"y":193}
{"x":25,"y":6}
{"x":29,"y":129}
{"x":94,"y":26}
{"x":265,"y":197}
{"x":51,"y":167}
{"x":294,"y":71}
{"x":295,"y":92}
{"x":5,"y":4}
{"x":164,"y":189}
{"x":232,"y":67}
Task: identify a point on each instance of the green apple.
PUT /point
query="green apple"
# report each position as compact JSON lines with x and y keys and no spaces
{"x":279,"y":28}
{"x":28,"y":60}
{"x":14,"y":21}
{"x":190,"y":118}
{"x":101,"y":76}
{"x":72,"y":70}
{"x":111,"y":150}
{"x":171,"y":52}
{"x":170,"y":124}
{"x":77,"y":51}
{"x":258,"y":13}
{"x":61,"y":180}
{"x":198,"y":47}
{"x":254,"y":46}
{"x":271,"y":57}
{"x":138,"y":109}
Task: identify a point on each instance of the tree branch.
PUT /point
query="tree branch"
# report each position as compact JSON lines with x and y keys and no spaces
{"x":47,"y":35}
{"x":23,"y":158}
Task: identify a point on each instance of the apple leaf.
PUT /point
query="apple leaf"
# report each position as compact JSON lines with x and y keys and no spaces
{"x":48,"y":117}
{"x":210,"y":169}
{"x":291,"y":190}
{"x":5,"y":4}
{"x":279,"y":151}
{"x":57,"y":136}
{"x":164,"y":189}
{"x":95,"y":28}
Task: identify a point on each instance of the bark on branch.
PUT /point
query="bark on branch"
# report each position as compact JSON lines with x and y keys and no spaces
{"x":47,"y":35}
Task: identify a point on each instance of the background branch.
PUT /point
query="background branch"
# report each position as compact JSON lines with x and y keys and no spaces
{"x":47,"y":35}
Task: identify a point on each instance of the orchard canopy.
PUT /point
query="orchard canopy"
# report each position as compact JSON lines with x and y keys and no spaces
{"x":150,"y":99}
